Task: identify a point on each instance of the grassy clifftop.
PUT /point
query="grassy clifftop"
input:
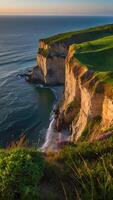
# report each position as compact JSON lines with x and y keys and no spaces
{"x":87,"y":34}
{"x":97,"y":55}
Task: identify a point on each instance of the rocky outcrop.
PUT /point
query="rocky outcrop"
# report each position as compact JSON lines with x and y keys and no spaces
{"x":87,"y":106}
{"x":37,"y":75}
{"x":51,"y":64}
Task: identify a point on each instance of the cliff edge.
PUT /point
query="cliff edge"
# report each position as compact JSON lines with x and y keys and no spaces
{"x":53,"y":51}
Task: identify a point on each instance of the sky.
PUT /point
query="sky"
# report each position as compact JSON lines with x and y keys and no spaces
{"x":56,"y":7}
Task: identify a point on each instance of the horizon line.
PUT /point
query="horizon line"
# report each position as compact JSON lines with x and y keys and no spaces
{"x":50,"y":15}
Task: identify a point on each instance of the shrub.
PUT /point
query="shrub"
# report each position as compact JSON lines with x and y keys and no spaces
{"x":20,"y":173}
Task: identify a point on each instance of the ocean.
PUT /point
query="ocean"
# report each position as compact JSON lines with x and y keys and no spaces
{"x":25,"y":108}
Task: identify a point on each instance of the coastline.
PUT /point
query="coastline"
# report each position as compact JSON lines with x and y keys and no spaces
{"x":66,"y":149}
{"x":18,"y":54}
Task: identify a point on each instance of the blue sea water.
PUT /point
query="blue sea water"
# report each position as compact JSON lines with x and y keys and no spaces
{"x":23,"y":107}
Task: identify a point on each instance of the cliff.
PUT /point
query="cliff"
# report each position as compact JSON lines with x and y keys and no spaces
{"x":83,"y":61}
{"x":52,"y":53}
{"x":50,"y":63}
{"x":87,"y":105}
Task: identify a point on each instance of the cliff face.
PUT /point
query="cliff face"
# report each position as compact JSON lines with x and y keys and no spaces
{"x":51,"y":63}
{"x":53,"y":51}
{"x":87,"y":106}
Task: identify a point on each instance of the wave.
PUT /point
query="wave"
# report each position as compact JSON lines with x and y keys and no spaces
{"x":20,"y":60}
{"x":3,"y":82}
{"x":8,"y":74}
{"x":9,"y":54}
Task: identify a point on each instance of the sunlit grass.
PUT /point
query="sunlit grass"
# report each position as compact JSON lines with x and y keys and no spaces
{"x":96,"y":55}
{"x":85,"y":171}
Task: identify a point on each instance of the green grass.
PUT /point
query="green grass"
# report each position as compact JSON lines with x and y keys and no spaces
{"x":97,"y":54}
{"x":84,"y":171}
{"x":90,"y":169}
{"x":86,"y":34}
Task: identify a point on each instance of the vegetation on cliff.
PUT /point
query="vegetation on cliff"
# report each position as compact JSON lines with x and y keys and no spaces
{"x":86,"y":34}
{"x":52,"y":52}
{"x":97,"y":54}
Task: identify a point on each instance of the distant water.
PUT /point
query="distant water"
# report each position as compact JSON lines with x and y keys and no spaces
{"x":23,"y":107}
